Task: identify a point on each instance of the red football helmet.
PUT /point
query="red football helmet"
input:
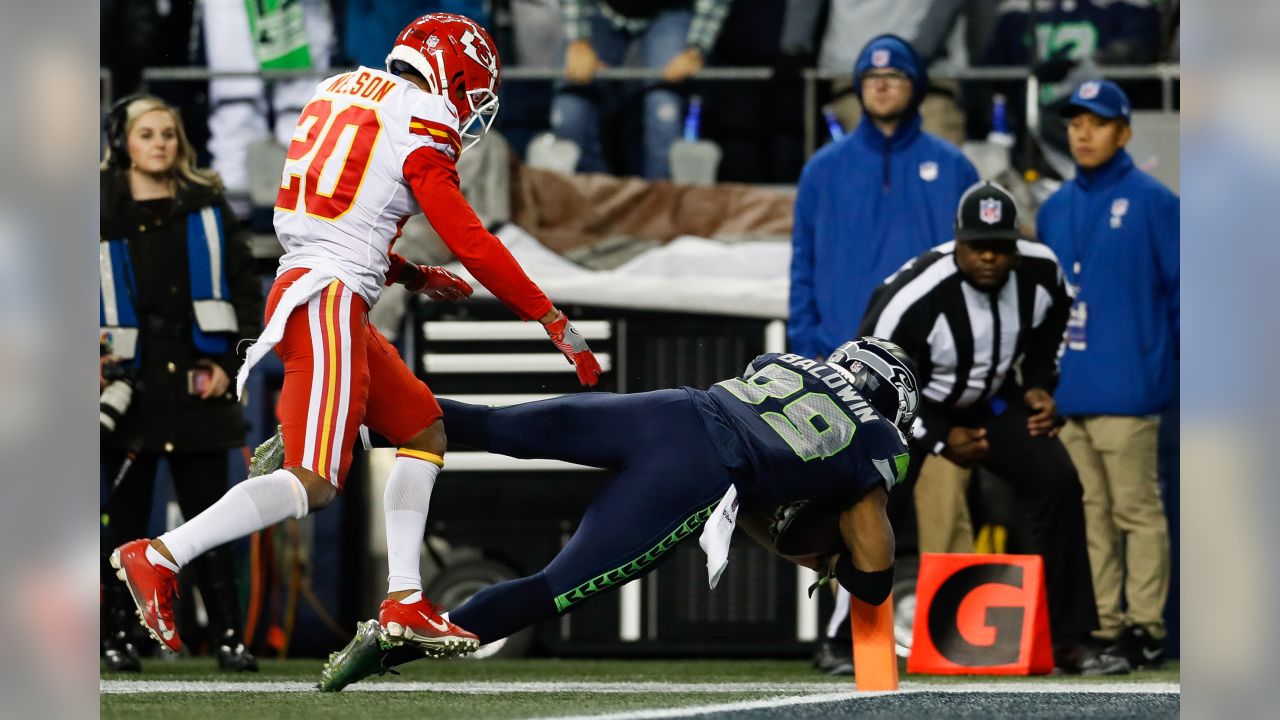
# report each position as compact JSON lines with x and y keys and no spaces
{"x":459,"y":61}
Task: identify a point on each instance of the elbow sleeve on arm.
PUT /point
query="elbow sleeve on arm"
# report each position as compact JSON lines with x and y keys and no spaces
{"x":871,"y":588}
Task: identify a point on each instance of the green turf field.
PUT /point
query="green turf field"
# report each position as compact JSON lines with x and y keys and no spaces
{"x":193,"y":689}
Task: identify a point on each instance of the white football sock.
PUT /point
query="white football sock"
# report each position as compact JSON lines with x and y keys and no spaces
{"x":411,"y":598}
{"x":254,"y":504}
{"x":404,"y":504}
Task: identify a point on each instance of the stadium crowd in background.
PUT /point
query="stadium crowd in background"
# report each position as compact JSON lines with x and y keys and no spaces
{"x":674,"y":35}
{"x":947,"y":34}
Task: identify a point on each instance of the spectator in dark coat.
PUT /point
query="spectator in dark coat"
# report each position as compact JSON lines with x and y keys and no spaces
{"x":178,"y":291}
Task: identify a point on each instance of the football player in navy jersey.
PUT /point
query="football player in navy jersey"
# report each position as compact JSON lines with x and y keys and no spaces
{"x":788,"y":429}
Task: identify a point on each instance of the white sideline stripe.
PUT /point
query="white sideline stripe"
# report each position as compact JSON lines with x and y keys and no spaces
{"x":680,"y":712}
{"x":126,"y":687}
{"x":507,"y":330}
{"x":810,"y":691}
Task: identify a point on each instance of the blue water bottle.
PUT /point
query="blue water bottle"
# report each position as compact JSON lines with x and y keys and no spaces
{"x":692,"y":119}
{"x":833,"y":123}
{"x":999,"y":114}
{"x":1000,"y":134}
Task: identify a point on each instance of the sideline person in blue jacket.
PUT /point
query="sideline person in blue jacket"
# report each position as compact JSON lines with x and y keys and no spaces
{"x":871,"y":201}
{"x":1116,"y":231}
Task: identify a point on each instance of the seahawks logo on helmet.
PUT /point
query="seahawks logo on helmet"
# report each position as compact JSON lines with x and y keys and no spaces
{"x":885,"y":375}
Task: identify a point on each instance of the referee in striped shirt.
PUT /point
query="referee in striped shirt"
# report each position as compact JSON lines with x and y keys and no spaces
{"x":983,"y":318}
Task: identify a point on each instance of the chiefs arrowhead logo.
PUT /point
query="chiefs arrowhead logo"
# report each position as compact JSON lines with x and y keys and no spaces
{"x":476,"y":49}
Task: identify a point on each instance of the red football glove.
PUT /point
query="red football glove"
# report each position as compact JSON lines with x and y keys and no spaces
{"x":574,"y":346}
{"x":439,"y":284}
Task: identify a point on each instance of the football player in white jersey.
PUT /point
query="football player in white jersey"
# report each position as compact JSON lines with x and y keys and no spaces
{"x":371,"y":148}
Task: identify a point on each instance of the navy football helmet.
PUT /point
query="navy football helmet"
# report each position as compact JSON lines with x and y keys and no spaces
{"x":884,"y":374}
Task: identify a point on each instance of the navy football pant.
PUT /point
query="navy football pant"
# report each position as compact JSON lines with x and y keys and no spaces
{"x":668,"y":481}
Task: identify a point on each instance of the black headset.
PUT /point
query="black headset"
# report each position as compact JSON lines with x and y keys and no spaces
{"x":113,"y":124}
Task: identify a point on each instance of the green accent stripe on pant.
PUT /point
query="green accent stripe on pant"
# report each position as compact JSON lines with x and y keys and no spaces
{"x":620,"y":575}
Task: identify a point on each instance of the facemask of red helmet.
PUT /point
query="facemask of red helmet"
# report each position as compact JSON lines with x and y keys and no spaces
{"x":458,"y":60}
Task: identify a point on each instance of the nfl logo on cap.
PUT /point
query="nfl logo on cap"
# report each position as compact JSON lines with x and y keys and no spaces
{"x":1089,"y":90}
{"x":990,"y":211}
{"x":880,"y":57}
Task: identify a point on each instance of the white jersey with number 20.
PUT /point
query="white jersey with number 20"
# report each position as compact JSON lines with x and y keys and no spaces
{"x":343,"y":194}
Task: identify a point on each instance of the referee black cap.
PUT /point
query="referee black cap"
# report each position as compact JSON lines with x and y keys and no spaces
{"x":987,"y":212}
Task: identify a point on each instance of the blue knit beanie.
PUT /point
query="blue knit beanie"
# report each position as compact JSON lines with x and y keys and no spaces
{"x":891,"y":51}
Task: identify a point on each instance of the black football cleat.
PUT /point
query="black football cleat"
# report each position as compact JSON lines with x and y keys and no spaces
{"x":120,"y":655}
{"x":233,"y":656}
{"x":834,"y":657}
{"x":1086,"y":657}
{"x":1137,"y":645}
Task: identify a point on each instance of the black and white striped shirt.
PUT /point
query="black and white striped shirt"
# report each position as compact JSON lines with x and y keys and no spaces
{"x":965,"y":341}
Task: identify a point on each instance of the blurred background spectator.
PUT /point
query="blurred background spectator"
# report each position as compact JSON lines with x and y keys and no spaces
{"x":760,"y":127}
{"x":1116,"y":230}
{"x":944,"y":34}
{"x":1070,"y":38}
{"x":127,"y":32}
{"x":369,"y":26}
{"x":242,"y":36}
{"x":674,"y":35}
{"x":871,"y":201}
{"x":179,"y":290}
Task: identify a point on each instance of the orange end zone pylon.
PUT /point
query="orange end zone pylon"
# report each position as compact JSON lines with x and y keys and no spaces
{"x":875,"y":657}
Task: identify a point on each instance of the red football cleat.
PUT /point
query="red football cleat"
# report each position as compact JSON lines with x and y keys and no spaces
{"x":153,"y":589}
{"x":420,"y":624}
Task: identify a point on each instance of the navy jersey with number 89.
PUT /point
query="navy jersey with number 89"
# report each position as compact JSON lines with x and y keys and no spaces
{"x":807,"y":433}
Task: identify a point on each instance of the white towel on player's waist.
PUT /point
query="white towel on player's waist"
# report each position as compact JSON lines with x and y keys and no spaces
{"x":298,"y":293}
{"x":717,"y":533}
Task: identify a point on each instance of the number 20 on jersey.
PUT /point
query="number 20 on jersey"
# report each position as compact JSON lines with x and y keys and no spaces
{"x":324,"y":130}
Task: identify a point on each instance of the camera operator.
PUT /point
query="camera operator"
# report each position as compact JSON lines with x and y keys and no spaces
{"x":178,"y":290}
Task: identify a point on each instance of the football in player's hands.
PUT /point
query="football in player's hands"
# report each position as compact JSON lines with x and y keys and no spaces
{"x":805,"y":529}
{"x":569,"y":341}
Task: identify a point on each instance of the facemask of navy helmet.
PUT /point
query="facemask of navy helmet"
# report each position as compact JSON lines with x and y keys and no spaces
{"x":883,"y":373}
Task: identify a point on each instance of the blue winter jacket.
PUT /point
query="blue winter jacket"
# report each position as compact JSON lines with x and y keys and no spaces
{"x":865,"y":205}
{"x":1116,"y":231}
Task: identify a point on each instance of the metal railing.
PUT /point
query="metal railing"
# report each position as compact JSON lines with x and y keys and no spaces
{"x":1166,"y":73}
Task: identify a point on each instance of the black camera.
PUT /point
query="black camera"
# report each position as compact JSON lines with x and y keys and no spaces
{"x":114,"y":401}
{"x":112,"y":372}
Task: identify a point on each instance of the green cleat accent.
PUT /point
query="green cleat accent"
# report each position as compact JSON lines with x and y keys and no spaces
{"x":361,"y":658}
{"x":269,"y":456}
